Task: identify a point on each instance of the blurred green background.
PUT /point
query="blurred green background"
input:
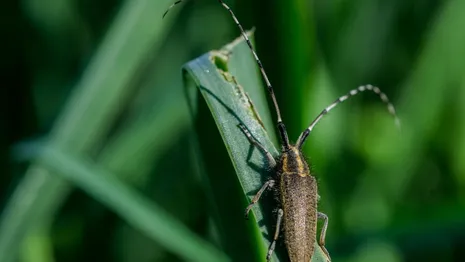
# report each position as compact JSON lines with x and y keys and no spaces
{"x":101,"y":82}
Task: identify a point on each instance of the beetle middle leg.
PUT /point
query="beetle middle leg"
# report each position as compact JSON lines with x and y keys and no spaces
{"x":321,"y":242}
{"x":269,"y":183}
{"x":276,"y":234}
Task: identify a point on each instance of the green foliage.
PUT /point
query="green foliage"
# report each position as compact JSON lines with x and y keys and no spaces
{"x":89,"y":116}
{"x":100,"y":85}
{"x":139,"y":212}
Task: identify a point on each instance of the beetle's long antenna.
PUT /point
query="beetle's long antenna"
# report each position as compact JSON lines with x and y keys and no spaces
{"x":281,"y":127}
{"x":341,"y":99}
{"x":171,"y":6}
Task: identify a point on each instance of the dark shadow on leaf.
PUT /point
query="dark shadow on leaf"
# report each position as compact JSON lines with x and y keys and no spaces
{"x":265,"y":174}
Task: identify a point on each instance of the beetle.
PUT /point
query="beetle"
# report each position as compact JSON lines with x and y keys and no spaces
{"x":297,"y":189}
{"x":293,"y":182}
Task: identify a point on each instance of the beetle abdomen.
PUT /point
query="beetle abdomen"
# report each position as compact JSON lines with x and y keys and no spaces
{"x":299,"y":201}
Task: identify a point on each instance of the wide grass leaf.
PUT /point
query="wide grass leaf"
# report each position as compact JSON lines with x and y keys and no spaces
{"x":135,"y":209}
{"x":232,"y":92}
{"x":90,"y":113}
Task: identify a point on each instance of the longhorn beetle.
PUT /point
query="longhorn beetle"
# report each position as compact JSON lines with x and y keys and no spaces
{"x":296,"y":187}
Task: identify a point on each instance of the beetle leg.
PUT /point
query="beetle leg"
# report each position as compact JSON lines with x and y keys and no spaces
{"x":276,"y":235}
{"x":268,"y":184}
{"x":323,"y":233}
{"x":253,"y":141}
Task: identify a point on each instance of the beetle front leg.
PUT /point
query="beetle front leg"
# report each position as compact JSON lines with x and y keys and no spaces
{"x":253,"y":141}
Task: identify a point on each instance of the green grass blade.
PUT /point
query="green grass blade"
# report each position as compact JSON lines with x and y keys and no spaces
{"x":145,"y":139}
{"x":131,"y":206}
{"x":212,"y":75}
{"x":392,"y":155}
{"x":94,"y":104}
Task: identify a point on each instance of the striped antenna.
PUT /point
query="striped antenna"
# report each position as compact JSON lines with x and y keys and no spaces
{"x":341,"y":99}
{"x":281,"y":126}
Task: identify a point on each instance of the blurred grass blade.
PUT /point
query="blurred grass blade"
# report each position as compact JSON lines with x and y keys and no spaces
{"x":438,"y":70}
{"x":458,"y":163}
{"x":298,"y":58}
{"x":94,"y":104}
{"x":131,"y":206}
{"x":214,"y":75}
{"x":144,"y":139}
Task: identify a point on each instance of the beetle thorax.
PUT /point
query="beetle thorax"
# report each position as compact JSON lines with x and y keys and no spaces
{"x":292,"y":162}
